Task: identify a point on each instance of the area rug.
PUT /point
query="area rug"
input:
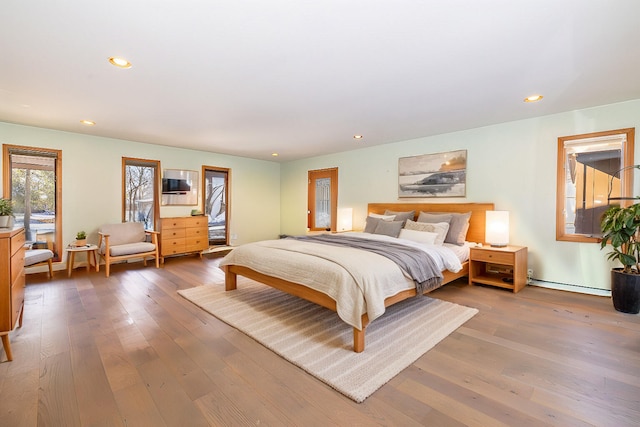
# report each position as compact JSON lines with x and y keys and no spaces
{"x":316,"y":340}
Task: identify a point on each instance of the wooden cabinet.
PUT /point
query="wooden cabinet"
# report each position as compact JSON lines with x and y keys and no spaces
{"x":183,"y":235}
{"x":504,"y":267}
{"x":11,"y":283}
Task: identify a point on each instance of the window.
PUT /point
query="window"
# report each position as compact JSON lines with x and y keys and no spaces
{"x":140,"y":191}
{"x":215,"y":182}
{"x":322,"y":199}
{"x":593,"y":173}
{"x":31,"y":178}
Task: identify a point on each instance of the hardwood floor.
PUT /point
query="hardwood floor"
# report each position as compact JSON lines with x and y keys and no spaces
{"x":128,"y":351}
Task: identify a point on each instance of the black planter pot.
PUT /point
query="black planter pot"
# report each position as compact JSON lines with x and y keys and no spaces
{"x":625,"y":291}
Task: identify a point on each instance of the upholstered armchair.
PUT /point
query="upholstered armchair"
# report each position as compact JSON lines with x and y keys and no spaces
{"x":127,"y":240}
{"x":34,"y":257}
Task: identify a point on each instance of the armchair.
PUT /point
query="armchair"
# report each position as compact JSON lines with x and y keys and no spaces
{"x":34,"y":257}
{"x":118,"y":242}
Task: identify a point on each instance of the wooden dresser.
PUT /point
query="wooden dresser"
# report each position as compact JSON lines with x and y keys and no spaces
{"x":183,"y":235}
{"x":11,"y":283}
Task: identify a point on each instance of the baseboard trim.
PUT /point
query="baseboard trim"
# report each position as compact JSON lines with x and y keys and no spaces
{"x":571,"y":288}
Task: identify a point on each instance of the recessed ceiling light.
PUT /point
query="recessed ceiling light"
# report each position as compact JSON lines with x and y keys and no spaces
{"x":119,"y":62}
{"x":88,"y":122}
{"x":274,"y":154}
{"x":533,"y":98}
{"x":357,"y":137}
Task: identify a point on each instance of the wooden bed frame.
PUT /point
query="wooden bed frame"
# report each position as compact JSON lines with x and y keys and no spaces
{"x":475,"y":234}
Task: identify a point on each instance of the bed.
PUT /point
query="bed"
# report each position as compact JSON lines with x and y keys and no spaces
{"x":265,"y":264}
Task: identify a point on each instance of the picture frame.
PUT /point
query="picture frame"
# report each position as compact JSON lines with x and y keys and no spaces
{"x":433,"y":175}
{"x":179,"y":187}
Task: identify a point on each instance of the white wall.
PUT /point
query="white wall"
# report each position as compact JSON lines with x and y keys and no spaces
{"x":511,"y":164}
{"x":92,"y":181}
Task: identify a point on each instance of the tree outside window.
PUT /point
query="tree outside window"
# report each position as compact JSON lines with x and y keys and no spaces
{"x":140,"y":194}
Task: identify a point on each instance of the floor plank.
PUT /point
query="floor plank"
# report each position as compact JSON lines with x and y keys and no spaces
{"x":128,"y":350}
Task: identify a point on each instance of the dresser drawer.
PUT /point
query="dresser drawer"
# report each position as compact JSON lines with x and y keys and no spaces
{"x":196,"y":221}
{"x":492,"y":256}
{"x":168,"y":223}
{"x":173,"y":233}
{"x":172,"y":246}
{"x":17,"y":298}
{"x":196,"y":244}
{"x":196,"y":232}
{"x":17,"y":242}
{"x":17,"y":264}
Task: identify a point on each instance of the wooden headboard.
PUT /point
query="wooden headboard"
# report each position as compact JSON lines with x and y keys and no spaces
{"x":476,"y":222}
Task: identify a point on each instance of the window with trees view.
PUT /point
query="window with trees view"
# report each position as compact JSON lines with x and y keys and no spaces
{"x":31,"y":178}
{"x":140,"y":191}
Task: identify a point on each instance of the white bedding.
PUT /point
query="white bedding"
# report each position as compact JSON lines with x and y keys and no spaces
{"x":359,"y":281}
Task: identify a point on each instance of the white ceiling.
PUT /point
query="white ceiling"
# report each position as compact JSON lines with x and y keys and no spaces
{"x":301,"y":77}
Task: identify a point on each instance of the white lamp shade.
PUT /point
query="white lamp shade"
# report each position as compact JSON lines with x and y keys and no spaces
{"x":497,"y":228}
{"x":345,"y":219}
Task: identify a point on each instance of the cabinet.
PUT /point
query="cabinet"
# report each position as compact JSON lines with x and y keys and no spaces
{"x":183,"y":235}
{"x":504,"y":267}
{"x":11,"y":283}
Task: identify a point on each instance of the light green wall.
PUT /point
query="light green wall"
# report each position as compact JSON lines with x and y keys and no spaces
{"x":92,"y":182}
{"x":511,"y":164}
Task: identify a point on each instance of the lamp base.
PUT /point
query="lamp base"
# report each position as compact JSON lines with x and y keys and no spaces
{"x":494,"y":245}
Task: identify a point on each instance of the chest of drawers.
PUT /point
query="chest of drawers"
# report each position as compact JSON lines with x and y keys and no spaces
{"x":183,"y":235}
{"x":11,"y":283}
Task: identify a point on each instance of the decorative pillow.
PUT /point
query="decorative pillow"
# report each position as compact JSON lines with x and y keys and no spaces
{"x":434,"y":217}
{"x":371,"y":223}
{"x":440,"y":228}
{"x":384,"y":217}
{"x":458,"y":225}
{"x":401,"y":216}
{"x":424,"y":237}
{"x":389,"y":228}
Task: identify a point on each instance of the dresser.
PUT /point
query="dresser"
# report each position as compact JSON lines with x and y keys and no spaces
{"x":11,"y":283}
{"x":183,"y":235}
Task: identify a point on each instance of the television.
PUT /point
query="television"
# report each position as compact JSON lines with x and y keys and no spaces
{"x":175,"y":186}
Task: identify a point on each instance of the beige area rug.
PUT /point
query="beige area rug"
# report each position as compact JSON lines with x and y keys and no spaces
{"x":316,"y":340}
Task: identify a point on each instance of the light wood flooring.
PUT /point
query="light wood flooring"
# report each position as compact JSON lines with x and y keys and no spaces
{"x":128,"y":351}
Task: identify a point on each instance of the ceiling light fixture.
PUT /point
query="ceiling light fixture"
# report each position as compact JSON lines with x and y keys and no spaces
{"x":533,"y":98}
{"x":274,"y":154}
{"x":119,"y":62}
{"x":88,"y":122}
{"x":357,"y":137}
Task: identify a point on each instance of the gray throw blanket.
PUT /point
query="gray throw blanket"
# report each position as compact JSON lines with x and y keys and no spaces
{"x":418,"y":264}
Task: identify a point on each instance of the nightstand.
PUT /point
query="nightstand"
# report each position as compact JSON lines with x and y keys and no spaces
{"x":505,"y":267}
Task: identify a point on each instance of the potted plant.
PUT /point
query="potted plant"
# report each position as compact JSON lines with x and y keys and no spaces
{"x":81,"y":238}
{"x":620,"y":227}
{"x":6,"y":213}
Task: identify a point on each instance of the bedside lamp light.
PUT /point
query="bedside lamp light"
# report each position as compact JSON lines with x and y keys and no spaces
{"x":497,"y":228}
{"x":345,"y":219}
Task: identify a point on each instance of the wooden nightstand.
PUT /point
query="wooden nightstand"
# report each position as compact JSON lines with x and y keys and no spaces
{"x":504,"y":267}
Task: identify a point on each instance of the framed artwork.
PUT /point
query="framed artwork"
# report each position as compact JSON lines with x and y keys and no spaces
{"x":433,"y":175}
{"x":179,"y":187}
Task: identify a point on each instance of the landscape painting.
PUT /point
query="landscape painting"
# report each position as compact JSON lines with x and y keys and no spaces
{"x":433,"y":175}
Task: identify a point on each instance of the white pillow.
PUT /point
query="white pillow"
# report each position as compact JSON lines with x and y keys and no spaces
{"x":440,"y":228}
{"x":383,"y":217}
{"x":424,"y":237}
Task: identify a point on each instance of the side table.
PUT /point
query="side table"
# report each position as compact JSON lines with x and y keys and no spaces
{"x":91,"y":251}
{"x":505,"y":267}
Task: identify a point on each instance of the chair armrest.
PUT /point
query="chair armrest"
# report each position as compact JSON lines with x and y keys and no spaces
{"x":102,"y":236}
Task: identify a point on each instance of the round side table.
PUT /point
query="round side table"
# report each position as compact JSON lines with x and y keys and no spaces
{"x":91,"y":251}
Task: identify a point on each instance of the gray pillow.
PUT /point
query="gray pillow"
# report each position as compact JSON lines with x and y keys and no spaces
{"x":458,"y":225}
{"x":371,"y":223}
{"x":401,"y":216}
{"x":389,"y":228}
